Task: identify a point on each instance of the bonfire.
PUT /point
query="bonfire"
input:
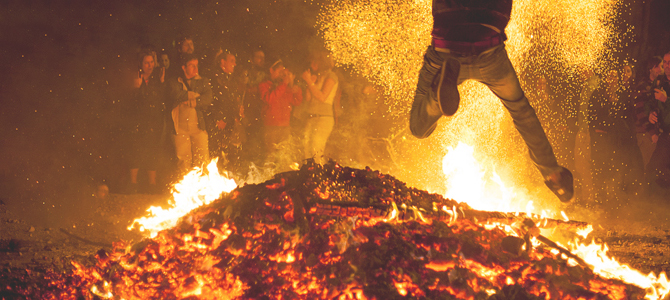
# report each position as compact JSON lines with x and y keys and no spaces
{"x":334,"y":232}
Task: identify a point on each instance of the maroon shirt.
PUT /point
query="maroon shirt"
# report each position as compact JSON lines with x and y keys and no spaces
{"x":470,"y":20}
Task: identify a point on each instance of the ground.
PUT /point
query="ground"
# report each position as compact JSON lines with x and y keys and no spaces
{"x":637,"y":234}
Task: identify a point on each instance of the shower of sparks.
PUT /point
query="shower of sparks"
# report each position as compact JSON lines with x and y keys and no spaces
{"x":384,"y":40}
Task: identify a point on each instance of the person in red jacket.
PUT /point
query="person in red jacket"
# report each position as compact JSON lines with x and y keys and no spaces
{"x":279,"y":96}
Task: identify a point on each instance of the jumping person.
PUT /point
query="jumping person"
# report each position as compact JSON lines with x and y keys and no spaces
{"x":468,"y":43}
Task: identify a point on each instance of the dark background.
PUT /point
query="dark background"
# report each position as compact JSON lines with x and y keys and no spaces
{"x":65,"y":66}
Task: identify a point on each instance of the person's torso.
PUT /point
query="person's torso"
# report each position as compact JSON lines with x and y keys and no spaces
{"x":608,"y":109}
{"x":277,"y":109}
{"x":324,"y":108}
{"x":188,"y":116}
{"x":150,"y":104}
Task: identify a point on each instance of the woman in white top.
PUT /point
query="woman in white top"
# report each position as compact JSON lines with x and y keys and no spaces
{"x":322,"y":85}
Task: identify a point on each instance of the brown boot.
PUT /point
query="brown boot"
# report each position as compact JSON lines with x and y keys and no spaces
{"x":561,"y":183}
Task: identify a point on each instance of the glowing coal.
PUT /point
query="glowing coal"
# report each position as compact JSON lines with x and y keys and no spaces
{"x":331,"y":232}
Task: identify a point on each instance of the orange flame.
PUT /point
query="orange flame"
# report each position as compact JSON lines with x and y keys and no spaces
{"x":466,"y":183}
{"x":197,"y":188}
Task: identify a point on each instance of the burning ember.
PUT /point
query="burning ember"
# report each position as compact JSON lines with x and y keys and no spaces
{"x":333,"y":232}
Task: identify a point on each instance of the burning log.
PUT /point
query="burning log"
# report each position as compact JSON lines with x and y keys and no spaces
{"x":331,"y":232}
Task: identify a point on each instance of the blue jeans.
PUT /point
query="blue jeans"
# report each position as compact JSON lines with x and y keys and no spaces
{"x":494,"y":69}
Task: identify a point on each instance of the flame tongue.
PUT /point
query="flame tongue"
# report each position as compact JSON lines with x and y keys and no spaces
{"x":199,"y":187}
{"x":466,"y":182}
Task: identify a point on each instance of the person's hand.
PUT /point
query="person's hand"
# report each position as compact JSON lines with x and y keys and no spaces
{"x":189,"y":103}
{"x":220,"y":124}
{"x":660,"y":95}
{"x":192,"y":95}
{"x":290,"y":78}
{"x":307,"y":77}
{"x":368,"y":89}
{"x":654,"y":138}
{"x":653,"y":117}
{"x":137,"y":82}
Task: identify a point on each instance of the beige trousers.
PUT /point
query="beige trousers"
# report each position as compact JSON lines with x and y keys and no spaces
{"x":192,"y":150}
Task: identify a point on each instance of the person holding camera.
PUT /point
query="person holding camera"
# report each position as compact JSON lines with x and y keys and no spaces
{"x":658,"y":168}
{"x":647,"y":133}
{"x":147,"y":112}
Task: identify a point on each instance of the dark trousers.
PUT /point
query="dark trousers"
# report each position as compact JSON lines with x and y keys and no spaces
{"x":494,"y":69}
{"x":658,"y":169}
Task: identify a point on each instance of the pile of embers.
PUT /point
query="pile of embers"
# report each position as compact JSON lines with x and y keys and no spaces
{"x":330,"y":232}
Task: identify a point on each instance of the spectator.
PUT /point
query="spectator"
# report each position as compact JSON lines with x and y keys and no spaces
{"x":659,"y":163}
{"x":279,"y":95}
{"x":184,"y":47}
{"x":647,"y":133}
{"x":164,"y":61}
{"x":189,"y":95}
{"x":322,"y":87}
{"x":225,"y":113}
{"x":583,"y":162}
{"x":147,"y":111}
{"x":253,"y":106}
{"x":605,"y":124}
{"x":629,"y":153}
{"x":257,"y":73}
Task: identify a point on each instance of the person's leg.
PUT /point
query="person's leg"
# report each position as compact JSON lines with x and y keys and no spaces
{"x":426,"y":109}
{"x":215,"y":142}
{"x":497,"y":72}
{"x":583,"y":168}
{"x":599,"y":154}
{"x":200,"y":148}
{"x":646,"y":146}
{"x":182,"y":144}
{"x":133,"y":175}
{"x":307,"y":140}
{"x":322,"y":129}
{"x":151,"y":177}
{"x":633,"y":158}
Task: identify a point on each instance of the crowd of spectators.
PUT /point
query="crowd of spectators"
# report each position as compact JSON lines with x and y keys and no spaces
{"x":274,"y":115}
{"x":193,"y":109}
